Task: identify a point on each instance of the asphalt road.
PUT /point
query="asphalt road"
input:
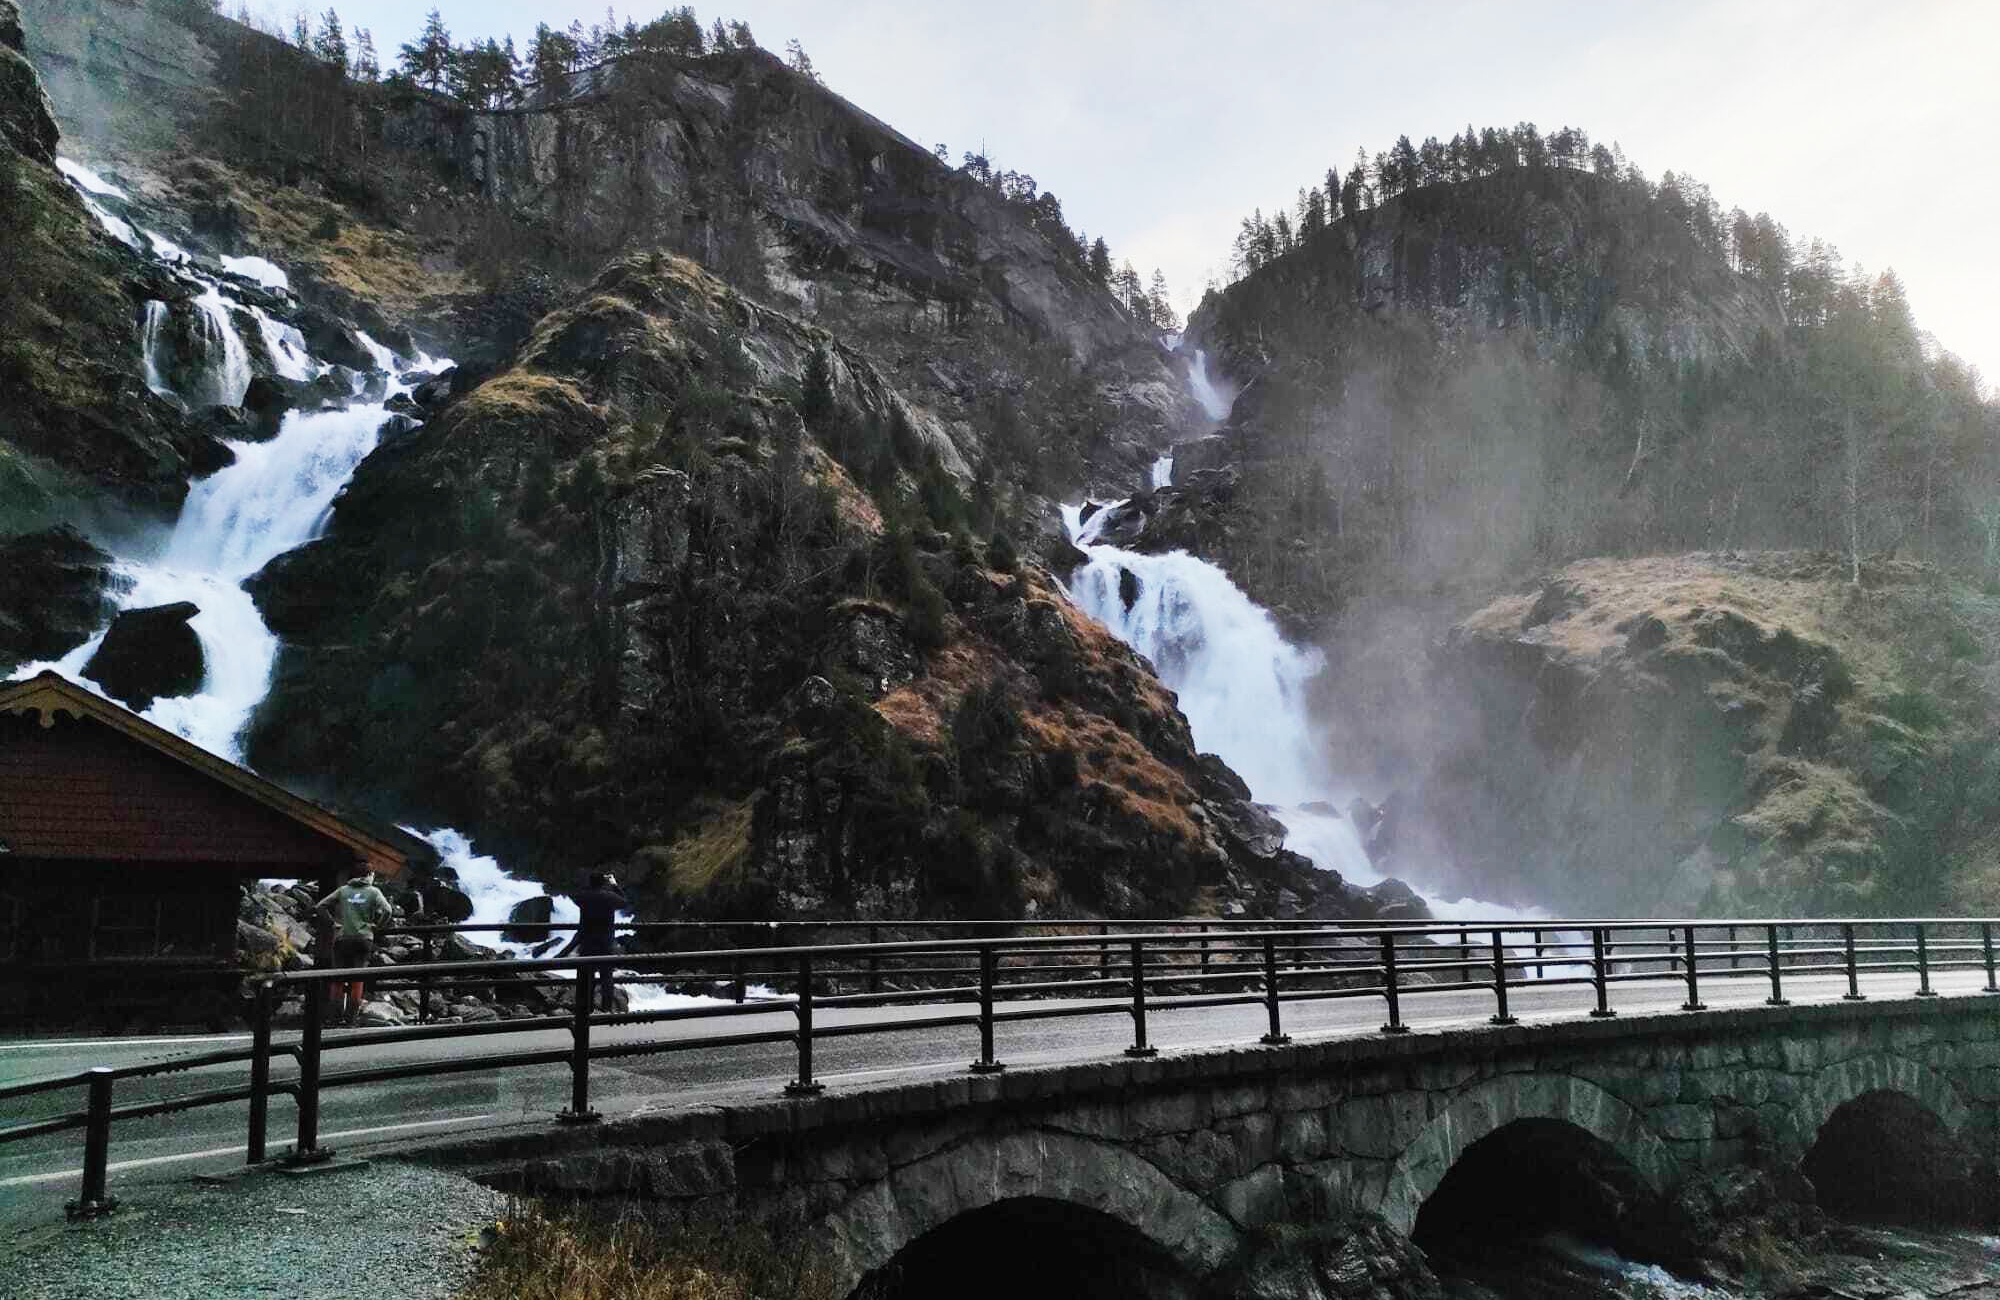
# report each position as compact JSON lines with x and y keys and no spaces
{"x":37,"y":1176}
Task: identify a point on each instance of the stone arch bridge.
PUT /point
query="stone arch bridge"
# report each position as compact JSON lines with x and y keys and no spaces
{"x":1197,"y":1153}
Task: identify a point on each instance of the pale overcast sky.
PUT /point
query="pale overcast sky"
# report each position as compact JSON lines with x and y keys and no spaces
{"x":1160,"y":124}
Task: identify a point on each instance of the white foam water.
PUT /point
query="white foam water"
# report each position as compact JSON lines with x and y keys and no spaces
{"x":258,"y":270}
{"x":1163,"y":471}
{"x":229,"y":373}
{"x":149,"y":345}
{"x":1215,"y":395}
{"x":495,"y":894}
{"x":1243,"y":688}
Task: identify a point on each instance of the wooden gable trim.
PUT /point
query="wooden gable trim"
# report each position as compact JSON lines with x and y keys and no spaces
{"x":49,"y":694}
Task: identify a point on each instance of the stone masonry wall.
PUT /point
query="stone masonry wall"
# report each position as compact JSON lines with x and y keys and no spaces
{"x":1197,"y":1151}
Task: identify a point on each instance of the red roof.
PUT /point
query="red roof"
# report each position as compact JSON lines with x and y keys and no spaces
{"x":84,"y":778}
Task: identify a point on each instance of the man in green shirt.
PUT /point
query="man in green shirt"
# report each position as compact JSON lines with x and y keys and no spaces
{"x":357,"y":907}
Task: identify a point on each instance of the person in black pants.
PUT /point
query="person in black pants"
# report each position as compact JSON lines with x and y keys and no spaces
{"x":598,"y":905}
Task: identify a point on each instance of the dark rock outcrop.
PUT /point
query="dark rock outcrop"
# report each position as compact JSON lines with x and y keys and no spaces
{"x":836,"y":719}
{"x":147,"y":654}
{"x":58,"y":592}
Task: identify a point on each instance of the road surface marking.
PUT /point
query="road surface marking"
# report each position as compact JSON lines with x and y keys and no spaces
{"x":27,"y":1179}
{"x":48,"y":1043}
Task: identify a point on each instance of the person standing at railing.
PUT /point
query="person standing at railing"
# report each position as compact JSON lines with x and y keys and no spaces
{"x":598,"y":905}
{"x":357,"y":907}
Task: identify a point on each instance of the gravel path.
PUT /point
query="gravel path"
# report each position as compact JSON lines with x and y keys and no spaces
{"x":389,"y":1230}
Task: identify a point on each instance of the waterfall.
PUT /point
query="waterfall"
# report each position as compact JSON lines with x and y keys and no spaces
{"x":149,"y":346}
{"x":1215,"y":397}
{"x":1163,"y":471}
{"x":229,"y":376}
{"x":289,"y":356}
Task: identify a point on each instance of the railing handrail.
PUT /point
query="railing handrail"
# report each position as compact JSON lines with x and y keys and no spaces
{"x":1196,"y":963}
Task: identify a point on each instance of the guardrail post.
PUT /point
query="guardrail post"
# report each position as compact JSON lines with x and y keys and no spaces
{"x":581,"y":993}
{"x":741,"y":987}
{"x":1598,"y":976}
{"x":1540,"y":972}
{"x":260,"y":1073}
{"x":1389,"y":989}
{"x":1854,"y":993}
{"x":1777,"y":998}
{"x":306,"y":1150}
{"x":1203,"y":932}
{"x":424,"y":981}
{"x":93,"y":1201}
{"x":1924,"y":989}
{"x":1104,"y":954}
{"x":1500,"y":1015}
{"x":1733,"y":963}
{"x":1986,"y":949}
{"x":989,"y":960}
{"x":1139,"y":1046}
{"x":803,"y":1086}
{"x":1276,"y":1036}
{"x":1694,"y":1002}
{"x":874,"y":961}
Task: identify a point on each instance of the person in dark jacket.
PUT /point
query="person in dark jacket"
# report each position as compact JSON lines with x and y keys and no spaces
{"x":598,"y":905}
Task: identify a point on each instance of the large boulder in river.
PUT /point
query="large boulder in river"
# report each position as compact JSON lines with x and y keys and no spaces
{"x":57,"y":593}
{"x":530,"y":914}
{"x":148,"y":654}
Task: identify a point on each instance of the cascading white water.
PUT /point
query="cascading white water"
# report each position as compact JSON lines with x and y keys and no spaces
{"x":1163,"y":471}
{"x":229,"y":374}
{"x":149,"y":345}
{"x":495,"y":894}
{"x":1215,"y":396}
{"x":289,"y":356}
{"x":259,"y":270}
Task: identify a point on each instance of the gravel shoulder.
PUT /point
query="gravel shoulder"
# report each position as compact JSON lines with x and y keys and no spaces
{"x":390,"y":1229}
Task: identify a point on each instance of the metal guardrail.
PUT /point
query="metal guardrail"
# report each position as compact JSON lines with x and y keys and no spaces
{"x":1130,"y":968}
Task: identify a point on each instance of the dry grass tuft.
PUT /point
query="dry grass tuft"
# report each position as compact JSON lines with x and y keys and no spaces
{"x":591,"y":1255}
{"x":712,"y":851}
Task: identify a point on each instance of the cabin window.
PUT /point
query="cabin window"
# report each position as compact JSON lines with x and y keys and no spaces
{"x":129,"y":926}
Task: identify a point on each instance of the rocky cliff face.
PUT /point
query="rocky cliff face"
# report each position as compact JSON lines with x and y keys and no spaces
{"x":791,"y":193}
{"x":1469,"y":382}
{"x":617,"y":604}
{"x":75,"y":416}
{"x":1734,"y":734}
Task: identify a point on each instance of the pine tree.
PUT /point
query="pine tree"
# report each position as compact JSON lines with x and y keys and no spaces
{"x":718,"y":38}
{"x":428,"y":59}
{"x":330,"y":46}
{"x":367,"y":67}
{"x":1162,"y":303}
{"x":798,"y":60}
{"x":1100,"y":261}
{"x":740,"y":37}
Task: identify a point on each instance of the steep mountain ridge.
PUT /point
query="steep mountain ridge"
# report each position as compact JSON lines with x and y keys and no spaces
{"x":618,"y":605}
{"x":789,"y":191}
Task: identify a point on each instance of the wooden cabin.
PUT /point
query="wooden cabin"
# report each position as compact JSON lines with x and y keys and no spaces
{"x":123,"y":851}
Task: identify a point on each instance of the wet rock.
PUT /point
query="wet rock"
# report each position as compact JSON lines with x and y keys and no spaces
{"x":396,"y":428}
{"x":434,"y":393}
{"x":379,"y":1015}
{"x":148,"y":654}
{"x":266,"y":401}
{"x":1355,"y":1258}
{"x":528,"y":914}
{"x":334,"y":341}
{"x":230,"y":424}
{"x":1554,"y":600}
{"x":58,"y":592}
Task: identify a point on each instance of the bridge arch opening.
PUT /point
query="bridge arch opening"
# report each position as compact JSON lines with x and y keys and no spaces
{"x":1029,"y":1246}
{"x":1887,"y":1157}
{"x":1539,"y":1199}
